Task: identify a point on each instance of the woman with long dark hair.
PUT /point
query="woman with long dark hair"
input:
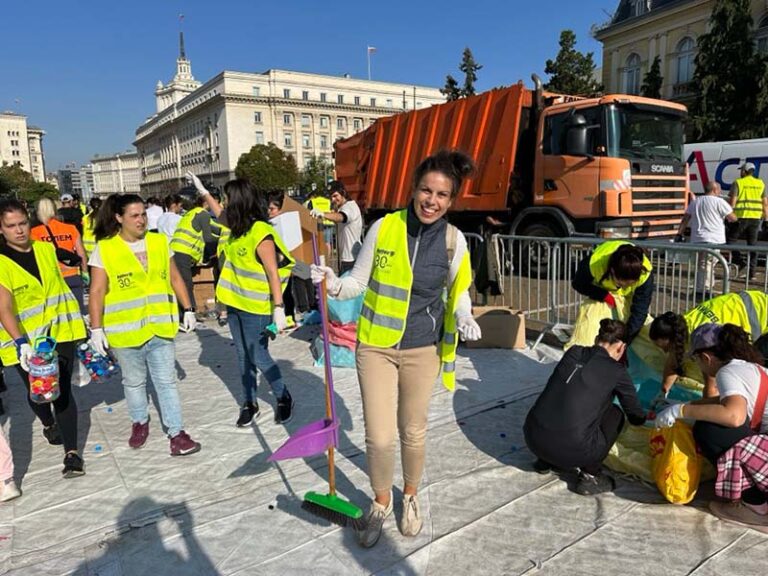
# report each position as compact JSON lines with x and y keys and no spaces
{"x":256,"y":268}
{"x":739,"y":411}
{"x":35,"y":301}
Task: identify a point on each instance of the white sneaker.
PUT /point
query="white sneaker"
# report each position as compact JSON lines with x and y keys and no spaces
{"x":371,"y":532}
{"x":411,"y":522}
{"x":9,"y":491}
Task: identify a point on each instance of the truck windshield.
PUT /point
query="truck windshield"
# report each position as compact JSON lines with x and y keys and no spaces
{"x":644,"y":133}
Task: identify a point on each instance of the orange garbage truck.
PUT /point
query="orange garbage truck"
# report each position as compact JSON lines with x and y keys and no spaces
{"x":548,"y":164}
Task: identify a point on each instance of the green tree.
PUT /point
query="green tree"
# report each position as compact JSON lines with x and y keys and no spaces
{"x":317,"y":172}
{"x":729,"y":77}
{"x":652,"y":80}
{"x":451,"y":89}
{"x":17,"y":182}
{"x":572,"y":72}
{"x":267,"y":167}
{"x":470,"y":68}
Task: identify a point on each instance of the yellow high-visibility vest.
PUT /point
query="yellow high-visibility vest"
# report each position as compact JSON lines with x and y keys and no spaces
{"x":46,"y":307}
{"x":598,"y":267}
{"x":749,"y":202}
{"x":385,"y":304}
{"x":187,"y":240}
{"x":139,"y":303}
{"x":243,"y":282}
{"x":89,"y":238}
{"x":747,"y":309}
{"x":324,"y":205}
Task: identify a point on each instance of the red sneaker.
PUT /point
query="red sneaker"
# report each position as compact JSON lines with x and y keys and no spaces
{"x":182,"y":445}
{"x":139,"y":433}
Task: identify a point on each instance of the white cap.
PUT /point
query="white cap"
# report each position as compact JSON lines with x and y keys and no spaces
{"x":748,"y":167}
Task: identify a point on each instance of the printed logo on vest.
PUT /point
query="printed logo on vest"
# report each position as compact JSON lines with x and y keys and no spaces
{"x":242,"y":251}
{"x":382,"y":258}
{"x":125,"y":280}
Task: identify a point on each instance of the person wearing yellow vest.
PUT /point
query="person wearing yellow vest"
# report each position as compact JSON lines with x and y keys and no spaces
{"x":414,"y":269}
{"x":618,"y":267}
{"x":319,"y":204}
{"x":89,"y":239}
{"x":750,"y":204}
{"x":256,"y":268}
{"x":671,"y":332}
{"x":133,"y":312}
{"x":35,"y":301}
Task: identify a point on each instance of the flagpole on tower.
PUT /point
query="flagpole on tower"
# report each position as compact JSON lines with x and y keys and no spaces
{"x":371,"y":50}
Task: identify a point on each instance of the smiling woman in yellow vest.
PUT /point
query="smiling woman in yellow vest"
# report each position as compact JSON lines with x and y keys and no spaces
{"x":256,"y":269}
{"x":415,"y":271}
{"x":133,"y":312}
{"x":35,"y":301}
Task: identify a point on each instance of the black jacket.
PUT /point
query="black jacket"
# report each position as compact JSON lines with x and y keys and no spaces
{"x":584,"y":284}
{"x":579,"y":392}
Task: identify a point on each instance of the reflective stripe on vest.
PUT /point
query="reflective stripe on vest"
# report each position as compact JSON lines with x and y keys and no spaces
{"x":187,"y":240}
{"x":385,"y":305}
{"x":749,"y":202}
{"x":44,"y":306}
{"x":243,"y":283}
{"x":598,"y":267}
{"x":139,"y":303}
{"x":756,"y":329}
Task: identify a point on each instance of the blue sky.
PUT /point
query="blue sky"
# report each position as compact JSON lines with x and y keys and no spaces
{"x":85,"y":71}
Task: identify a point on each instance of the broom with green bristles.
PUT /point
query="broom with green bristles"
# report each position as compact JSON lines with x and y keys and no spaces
{"x":322,"y":435}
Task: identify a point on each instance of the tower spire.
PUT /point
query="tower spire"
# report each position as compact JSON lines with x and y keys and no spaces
{"x":182,"y":55}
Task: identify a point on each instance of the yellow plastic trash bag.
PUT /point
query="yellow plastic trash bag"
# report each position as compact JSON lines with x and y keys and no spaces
{"x":587,"y":323}
{"x":676,"y":462}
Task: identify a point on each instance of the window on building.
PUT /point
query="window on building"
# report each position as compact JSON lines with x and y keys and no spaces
{"x":305,"y":94}
{"x":306,"y":120}
{"x":286,"y":93}
{"x":761,"y":36}
{"x":373,"y":101}
{"x":323,"y":121}
{"x":357,"y":100}
{"x":686,"y":54}
{"x":357,"y":123}
{"x":340,"y":123}
{"x":323,"y":97}
{"x":256,"y":91}
{"x":259,"y":137}
{"x":389,"y":103}
{"x":639,"y":7}
{"x":257,"y":117}
{"x":305,"y":138}
{"x":323,"y":141}
{"x":287,"y":119}
{"x":340,"y":98}
{"x":632,"y":75}
{"x":288,"y":139}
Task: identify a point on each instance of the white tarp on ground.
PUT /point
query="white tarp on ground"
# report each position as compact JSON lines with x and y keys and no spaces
{"x":227,"y":511}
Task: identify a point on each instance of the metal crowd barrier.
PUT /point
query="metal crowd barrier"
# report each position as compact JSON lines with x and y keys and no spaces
{"x":537,"y":272}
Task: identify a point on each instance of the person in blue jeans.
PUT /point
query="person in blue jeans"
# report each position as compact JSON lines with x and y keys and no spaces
{"x":254,"y":275}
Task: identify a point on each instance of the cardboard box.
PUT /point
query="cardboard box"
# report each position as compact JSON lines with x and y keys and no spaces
{"x":204,"y":290}
{"x":502,"y":327}
{"x":303,"y":252}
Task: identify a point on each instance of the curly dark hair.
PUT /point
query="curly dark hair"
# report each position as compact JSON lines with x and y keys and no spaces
{"x":672,"y":327}
{"x":452,"y":163}
{"x":734,"y":343}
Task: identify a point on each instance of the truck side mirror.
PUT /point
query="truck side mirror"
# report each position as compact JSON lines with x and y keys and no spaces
{"x":576,"y":136}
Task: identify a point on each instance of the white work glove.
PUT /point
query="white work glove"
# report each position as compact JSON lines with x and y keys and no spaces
{"x":660,"y":399}
{"x":278,"y":318}
{"x":25,"y":353}
{"x":195,"y":181}
{"x":189,"y":322}
{"x":320,"y":273}
{"x":468,"y":329}
{"x":99,"y":341}
{"x":315,"y":213}
{"x":666,"y":418}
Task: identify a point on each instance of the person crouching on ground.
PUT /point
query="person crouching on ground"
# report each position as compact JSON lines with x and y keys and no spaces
{"x":256,"y":269}
{"x":618,"y":267}
{"x":407,"y":331}
{"x":738,"y":412}
{"x":574,"y":422}
{"x":35,"y":300}
{"x":133,"y":311}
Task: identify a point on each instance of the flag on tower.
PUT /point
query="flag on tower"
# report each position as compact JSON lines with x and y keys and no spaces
{"x":181,"y":17}
{"x":371,"y":50}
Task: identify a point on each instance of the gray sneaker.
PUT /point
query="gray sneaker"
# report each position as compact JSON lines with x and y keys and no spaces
{"x":411,"y":522}
{"x":371,"y":530}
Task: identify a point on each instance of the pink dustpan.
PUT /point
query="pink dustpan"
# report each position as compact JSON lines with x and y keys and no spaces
{"x":309,"y":440}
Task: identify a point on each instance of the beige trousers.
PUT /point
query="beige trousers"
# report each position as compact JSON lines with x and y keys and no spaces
{"x":396,"y":386}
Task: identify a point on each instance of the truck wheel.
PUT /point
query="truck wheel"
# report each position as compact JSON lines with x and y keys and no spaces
{"x":534,"y":256}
